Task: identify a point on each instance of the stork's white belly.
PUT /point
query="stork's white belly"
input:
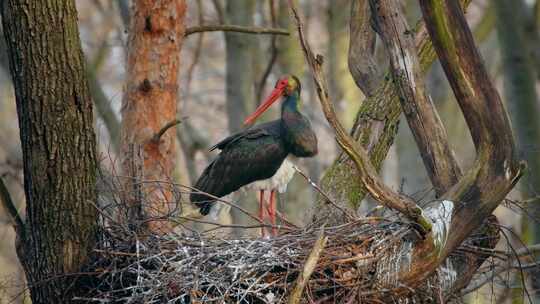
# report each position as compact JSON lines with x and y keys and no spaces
{"x":278,"y":181}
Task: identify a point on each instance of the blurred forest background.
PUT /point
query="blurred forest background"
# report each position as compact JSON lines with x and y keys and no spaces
{"x":224,"y":75}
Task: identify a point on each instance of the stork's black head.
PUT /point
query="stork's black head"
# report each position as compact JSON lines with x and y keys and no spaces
{"x":291,"y":84}
{"x":286,"y":86}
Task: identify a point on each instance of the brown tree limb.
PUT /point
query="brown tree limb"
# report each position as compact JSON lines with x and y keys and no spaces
{"x":423,"y":119}
{"x":496,"y":169}
{"x":164,"y":129}
{"x":362,"y":64}
{"x":368,"y":175}
{"x":235,"y":28}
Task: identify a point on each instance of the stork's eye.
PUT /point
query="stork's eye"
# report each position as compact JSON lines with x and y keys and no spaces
{"x":281,"y":83}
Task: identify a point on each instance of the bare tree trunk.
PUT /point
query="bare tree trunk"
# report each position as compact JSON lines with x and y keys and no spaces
{"x":522,"y":101}
{"x":149,"y":105}
{"x":240,"y":73}
{"x":58,"y":143}
{"x":336,"y":25}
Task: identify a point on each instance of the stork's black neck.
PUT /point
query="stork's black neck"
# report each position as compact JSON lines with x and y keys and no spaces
{"x":296,"y":130}
{"x":291,"y":104}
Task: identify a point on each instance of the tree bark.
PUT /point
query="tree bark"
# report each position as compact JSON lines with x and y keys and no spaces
{"x":58,"y":142}
{"x":149,"y":104}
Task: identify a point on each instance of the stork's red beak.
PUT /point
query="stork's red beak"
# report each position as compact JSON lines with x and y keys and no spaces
{"x":276,"y":93}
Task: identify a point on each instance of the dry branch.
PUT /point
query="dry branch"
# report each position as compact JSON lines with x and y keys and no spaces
{"x":166,"y":127}
{"x":235,"y":28}
{"x":309,"y":266}
{"x":358,"y":154}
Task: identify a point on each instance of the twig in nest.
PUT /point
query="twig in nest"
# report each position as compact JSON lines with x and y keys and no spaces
{"x":309,"y":266}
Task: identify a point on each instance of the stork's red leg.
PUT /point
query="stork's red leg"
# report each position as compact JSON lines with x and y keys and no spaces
{"x":273,"y":212}
{"x":262,"y":208}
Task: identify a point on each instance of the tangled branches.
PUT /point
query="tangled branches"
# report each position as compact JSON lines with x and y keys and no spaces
{"x":360,"y":263}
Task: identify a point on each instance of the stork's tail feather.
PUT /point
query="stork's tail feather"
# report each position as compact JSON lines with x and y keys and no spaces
{"x":207,"y":185}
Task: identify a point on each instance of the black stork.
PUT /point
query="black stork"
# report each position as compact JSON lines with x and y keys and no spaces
{"x":257,"y":155}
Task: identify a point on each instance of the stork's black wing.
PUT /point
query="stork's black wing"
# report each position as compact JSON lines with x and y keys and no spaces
{"x":245,"y":157}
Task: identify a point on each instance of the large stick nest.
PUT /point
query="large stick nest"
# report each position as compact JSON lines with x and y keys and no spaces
{"x":356,"y":263}
{"x":360,"y":263}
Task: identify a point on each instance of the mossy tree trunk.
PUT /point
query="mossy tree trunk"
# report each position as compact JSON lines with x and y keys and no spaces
{"x":58,"y":143}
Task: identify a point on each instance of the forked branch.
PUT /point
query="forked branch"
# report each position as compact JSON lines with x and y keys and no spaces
{"x":496,"y":169}
{"x":378,"y":190}
{"x":423,"y":119}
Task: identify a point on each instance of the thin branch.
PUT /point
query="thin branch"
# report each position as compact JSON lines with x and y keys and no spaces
{"x":309,"y":267}
{"x":166,"y":127}
{"x":235,"y":28}
{"x":378,"y":190}
{"x":99,"y":97}
{"x":532,"y":200}
{"x":321,"y":192}
{"x":7,"y":202}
